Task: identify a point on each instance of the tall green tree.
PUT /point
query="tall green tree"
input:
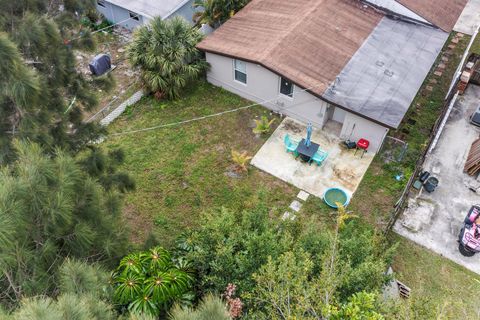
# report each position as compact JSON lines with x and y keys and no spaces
{"x":43,"y":96}
{"x":51,"y":209}
{"x":166,"y":55}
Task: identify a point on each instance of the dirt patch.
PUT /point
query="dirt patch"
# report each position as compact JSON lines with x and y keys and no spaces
{"x":139,"y":227}
{"x":292,"y":126}
{"x":115,"y":46}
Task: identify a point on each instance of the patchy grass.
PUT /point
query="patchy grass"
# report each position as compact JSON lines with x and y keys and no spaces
{"x":181,"y":171}
{"x":379,"y":191}
{"x":476,"y":45}
{"x":440,"y":281}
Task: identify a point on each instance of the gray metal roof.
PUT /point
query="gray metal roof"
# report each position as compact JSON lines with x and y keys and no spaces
{"x":150,"y":8}
{"x":383,"y":77}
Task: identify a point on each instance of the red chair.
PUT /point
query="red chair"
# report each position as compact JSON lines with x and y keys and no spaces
{"x":363,"y":145}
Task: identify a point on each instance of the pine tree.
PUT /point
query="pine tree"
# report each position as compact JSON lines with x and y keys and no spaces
{"x":50,"y":209}
{"x":43,"y":96}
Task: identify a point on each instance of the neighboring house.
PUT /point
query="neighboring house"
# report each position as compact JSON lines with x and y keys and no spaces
{"x":339,"y":64}
{"x":132,"y":13}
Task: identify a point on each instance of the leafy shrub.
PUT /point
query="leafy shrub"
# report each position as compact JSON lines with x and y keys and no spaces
{"x":263,"y":125}
{"x":241,"y":160}
{"x":149,"y":282}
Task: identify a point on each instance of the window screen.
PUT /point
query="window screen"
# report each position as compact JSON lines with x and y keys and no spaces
{"x":134,"y":16}
{"x":286,"y":87}
{"x":240,"y":71}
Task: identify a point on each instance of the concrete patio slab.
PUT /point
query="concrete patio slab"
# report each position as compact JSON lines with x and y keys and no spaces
{"x":469,"y":19}
{"x":434,"y":220}
{"x":341,"y":169}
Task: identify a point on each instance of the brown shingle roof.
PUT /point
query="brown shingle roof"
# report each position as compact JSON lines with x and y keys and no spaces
{"x":442,"y":13}
{"x":308,"y":42}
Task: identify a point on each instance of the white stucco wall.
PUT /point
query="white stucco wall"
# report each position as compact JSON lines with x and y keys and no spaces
{"x":115,"y":14}
{"x":263,"y":85}
{"x":396,"y":7}
{"x":355,"y":128}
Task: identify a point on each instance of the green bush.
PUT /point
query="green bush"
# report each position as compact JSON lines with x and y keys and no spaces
{"x":149,"y":282}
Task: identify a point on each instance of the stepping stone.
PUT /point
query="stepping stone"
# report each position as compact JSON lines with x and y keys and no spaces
{"x":288,"y":215}
{"x":429,"y":88}
{"x":295,"y":206}
{"x":438,"y":73}
{"x":455,"y":40}
{"x":460,"y":35}
{"x":302,"y":195}
{"x":442,"y":66}
{"x":451,"y":46}
{"x":433,"y":81}
{"x":444,"y":59}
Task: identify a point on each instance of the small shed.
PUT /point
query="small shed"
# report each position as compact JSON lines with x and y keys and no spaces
{"x":100,"y":64}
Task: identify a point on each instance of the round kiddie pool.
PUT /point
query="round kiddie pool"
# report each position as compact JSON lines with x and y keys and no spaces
{"x":332,"y":196}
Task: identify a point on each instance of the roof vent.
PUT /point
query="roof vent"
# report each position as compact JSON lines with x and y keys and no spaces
{"x":380,"y":63}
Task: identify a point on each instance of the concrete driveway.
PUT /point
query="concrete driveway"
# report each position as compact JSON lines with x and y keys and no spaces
{"x":470,"y":18}
{"x":341,"y":169}
{"x":434,"y":220}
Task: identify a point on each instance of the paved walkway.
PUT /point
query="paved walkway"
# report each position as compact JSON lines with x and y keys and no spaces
{"x":469,"y":19}
{"x":121,"y":108}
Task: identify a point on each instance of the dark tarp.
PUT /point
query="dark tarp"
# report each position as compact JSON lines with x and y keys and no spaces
{"x":100,"y":64}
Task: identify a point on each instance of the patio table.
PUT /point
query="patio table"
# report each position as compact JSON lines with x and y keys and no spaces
{"x":306,"y":153}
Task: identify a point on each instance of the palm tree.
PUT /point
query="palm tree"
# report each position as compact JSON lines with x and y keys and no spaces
{"x":216,"y":12}
{"x":147,"y":282}
{"x":166,"y":55}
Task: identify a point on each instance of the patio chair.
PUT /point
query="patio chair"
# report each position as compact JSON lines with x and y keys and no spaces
{"x":290,"y":145}
{"x":319,"y":157}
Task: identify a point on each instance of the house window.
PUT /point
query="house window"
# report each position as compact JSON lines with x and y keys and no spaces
{"x":286,"y":87}
{"x":133,"y":15}
{"x":101,"y":3}
{"x":240,"y":68}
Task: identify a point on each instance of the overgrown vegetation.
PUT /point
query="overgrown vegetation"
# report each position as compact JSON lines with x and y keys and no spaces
{"x":216,"y":12}
{"x":43,"y":96}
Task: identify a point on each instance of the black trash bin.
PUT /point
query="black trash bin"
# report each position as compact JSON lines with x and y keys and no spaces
{"x":431,"y":184}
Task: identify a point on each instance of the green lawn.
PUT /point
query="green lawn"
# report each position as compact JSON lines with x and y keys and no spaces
{"x":183,"y":170}
{"x":450,"y":287}
{"x":476,"y":45}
